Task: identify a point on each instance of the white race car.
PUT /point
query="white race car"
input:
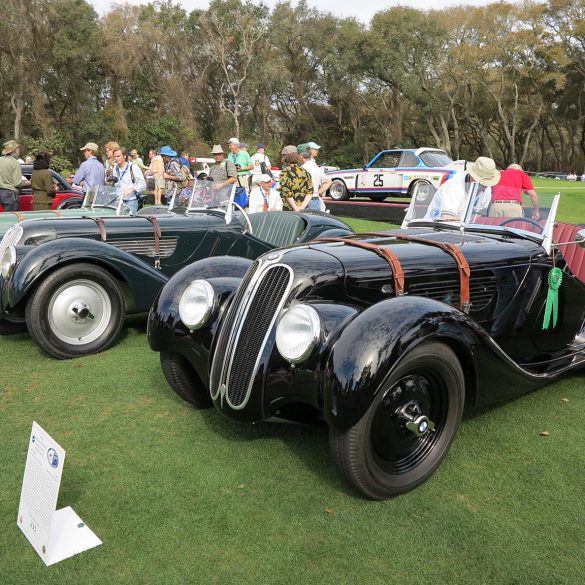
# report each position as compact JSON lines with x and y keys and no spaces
{"x":409,"y":172}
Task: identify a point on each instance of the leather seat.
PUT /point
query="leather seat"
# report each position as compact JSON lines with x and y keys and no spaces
{"x":279,"y":228}
{"x":573,"y":253}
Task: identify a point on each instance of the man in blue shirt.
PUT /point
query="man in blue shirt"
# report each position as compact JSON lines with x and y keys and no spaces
{"x":91,"y":172}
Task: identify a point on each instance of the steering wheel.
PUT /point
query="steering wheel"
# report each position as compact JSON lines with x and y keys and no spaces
{"x":243,"y":213}
{"x":525,"y":220}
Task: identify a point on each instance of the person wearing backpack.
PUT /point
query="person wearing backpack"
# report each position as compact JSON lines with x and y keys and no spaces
{"x":130,"y":182}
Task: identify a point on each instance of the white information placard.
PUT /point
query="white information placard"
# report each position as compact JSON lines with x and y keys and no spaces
{"x":54,"y":534}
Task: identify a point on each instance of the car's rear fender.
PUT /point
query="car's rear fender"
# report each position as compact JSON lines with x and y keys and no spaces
{"x":387,"y":331}
{"x":140,"y":282}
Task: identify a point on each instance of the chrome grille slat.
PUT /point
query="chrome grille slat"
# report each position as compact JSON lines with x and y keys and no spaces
{"x":227,"y":328}
{"x":146,"y":247}
{"x":11,"y":238}
{"x":253,"y":312}
{"x":263,"y":310}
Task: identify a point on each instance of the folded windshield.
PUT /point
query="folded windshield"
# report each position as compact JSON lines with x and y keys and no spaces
{"x":202,"y":194}
{"x":466,"y":205}
{"x":102,"y":196}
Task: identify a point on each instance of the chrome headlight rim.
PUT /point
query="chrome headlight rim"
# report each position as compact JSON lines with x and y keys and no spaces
{"x":284,"y":329}
{"x":197,"y":304}
{"x":8,"y":262}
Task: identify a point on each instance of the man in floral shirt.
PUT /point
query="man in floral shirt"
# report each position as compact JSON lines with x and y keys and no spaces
{"x":296,"y":185}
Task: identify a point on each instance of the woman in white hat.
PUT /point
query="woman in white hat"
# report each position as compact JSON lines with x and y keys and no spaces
{"x":264,"y":197}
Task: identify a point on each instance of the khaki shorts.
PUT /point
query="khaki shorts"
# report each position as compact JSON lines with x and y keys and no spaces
{"x":159,"y":183}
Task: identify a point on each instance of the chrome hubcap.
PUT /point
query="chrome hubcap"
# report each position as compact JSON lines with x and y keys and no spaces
{"x":79,"y":312}
{"x":414,"y":421}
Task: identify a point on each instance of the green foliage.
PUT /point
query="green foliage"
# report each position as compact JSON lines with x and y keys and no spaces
{"x":54,"y":144}
{"x":504,"y":80}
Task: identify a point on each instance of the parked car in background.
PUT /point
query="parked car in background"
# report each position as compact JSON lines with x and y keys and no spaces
{"x":409,"y":172}
{"x":200,"y":166}
{"x":66,"y":196}
{"x":73,"y":280}
{"x":387,"y":337}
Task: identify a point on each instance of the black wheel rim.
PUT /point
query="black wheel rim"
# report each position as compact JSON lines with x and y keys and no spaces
{"x":394,"y":448}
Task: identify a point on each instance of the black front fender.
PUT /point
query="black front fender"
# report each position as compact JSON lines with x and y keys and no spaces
{"x":143,"y":280}
{"x":369,"y":348}
{"x":166,"y":331}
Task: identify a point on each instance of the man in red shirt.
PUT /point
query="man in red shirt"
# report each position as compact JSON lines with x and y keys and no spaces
{"x":507,"y":194}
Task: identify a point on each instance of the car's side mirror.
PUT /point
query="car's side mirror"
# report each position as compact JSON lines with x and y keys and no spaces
{"x":580,"y":238}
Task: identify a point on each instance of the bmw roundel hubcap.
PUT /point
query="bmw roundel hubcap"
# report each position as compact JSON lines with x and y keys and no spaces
{"x":409,"y":422}
{"x":414,"y":421}
{"x":79,"y":312}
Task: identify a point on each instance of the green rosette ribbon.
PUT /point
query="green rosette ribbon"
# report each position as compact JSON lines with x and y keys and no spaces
{"x":555,"y":278}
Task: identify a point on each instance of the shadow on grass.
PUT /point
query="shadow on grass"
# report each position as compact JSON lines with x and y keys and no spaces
{"x":308,"y":443}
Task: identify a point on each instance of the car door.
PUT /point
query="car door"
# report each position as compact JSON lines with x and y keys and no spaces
{"x":381,"y":173}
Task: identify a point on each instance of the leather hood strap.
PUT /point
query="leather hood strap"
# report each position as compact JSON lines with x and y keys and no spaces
{"x":386,"y":253}
{"x":451,"y":249}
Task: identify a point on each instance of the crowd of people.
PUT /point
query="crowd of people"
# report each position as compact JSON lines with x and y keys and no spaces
{"x":302,"y":183}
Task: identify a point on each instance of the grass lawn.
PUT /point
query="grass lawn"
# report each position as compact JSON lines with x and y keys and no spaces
{"x":185,"y":496}
{"x":181,"y":496}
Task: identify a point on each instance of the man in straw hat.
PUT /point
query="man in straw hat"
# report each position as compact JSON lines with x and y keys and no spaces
{"x":450,"y":201}
{"x":10,"y":175}
{"x":223,"y":172}
{"x":91,"y":172}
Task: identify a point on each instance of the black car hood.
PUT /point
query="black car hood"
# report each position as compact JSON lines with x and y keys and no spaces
{"x":364,"y":277}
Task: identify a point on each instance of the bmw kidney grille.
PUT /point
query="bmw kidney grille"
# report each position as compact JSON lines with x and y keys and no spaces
{"x":245,"y":333}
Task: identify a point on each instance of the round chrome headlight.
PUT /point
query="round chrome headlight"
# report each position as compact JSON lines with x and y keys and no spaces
{"x":298,"y":333}
{"x":196,"y":304}
{"x":8,"y":262}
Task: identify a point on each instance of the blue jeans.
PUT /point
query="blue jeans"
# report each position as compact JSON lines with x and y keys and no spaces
{"x":314,"y":204}
{"x":9,"y":199}
{"x":133,"y":205}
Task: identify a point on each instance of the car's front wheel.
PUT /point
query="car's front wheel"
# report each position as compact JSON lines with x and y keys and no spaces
{"x":408,"y":429}
{"x":183,"y":379}
{"x":338,"y":191}
{"x":77,"y":310}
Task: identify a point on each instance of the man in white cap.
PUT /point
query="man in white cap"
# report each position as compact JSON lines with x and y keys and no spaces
{"x":314,"y":150}
{"x":450,"y":201}
{"x":243,"y":163}
{"x":91,"y":172}
{"x":507,"y":194}
{"x":10,"y":175}
{"x":263,"y":197}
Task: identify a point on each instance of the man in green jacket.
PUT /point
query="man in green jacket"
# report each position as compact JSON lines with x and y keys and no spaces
{"x":10,"y":175}
{"x":242,"y":161}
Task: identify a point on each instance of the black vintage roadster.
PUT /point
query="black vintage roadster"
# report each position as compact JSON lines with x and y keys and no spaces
{"x":72,"y":280}
{"x":386,"y":337}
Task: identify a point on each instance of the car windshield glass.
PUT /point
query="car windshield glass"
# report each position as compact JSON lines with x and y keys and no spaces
{"x":467,"y":207}
{"x":203,"y":194}
{"x":102,"y":196}
{"x":435,"y":158}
